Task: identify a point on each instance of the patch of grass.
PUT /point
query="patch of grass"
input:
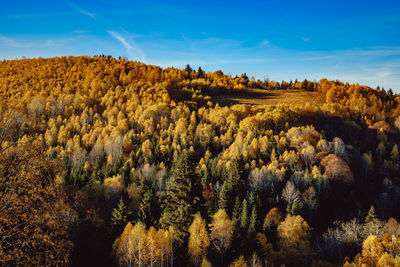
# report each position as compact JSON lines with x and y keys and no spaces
{"x":270,"y":97}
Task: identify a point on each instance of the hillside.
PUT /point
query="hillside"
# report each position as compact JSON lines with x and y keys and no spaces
{"x":116,"y":158}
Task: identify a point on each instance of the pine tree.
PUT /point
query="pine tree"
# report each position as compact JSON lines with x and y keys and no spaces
{"x":189,"y":70}
{"x":296,"y":207}
{"x":252,"y":199}
{"x":223,"y":196}
{"x":232,"y":186}
{"x":236,"y":210}
{"x":371,"y":216}
{"x":200,"y":73}
{"x":120,"y":214}
{"x":205,"y":177}
{"x":253,"y":221}
{"x":146,"y":207}
{"x":372,"y":226}
{"x":182,"y":199}
{"x":244,"y":220}
{"x":267,"y":224}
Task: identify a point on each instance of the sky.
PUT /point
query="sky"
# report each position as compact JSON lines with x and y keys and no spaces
{"x":353,"y":41}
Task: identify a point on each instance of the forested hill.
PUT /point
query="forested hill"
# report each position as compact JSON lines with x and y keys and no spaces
{"x":106,"y":162}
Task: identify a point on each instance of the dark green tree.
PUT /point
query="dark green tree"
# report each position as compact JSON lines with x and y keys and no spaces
{"x":296,"y":207}
{"x":253,"y":221}
{"x":189,"y":70}
{"x":146,"y":207}
{"x":232,"y":187}
{"x":236,"y":211}
{"x":224,"y":200}
{"x":200,"y":73}
{"x":304,"y":84}
{"x":183,"y":197}
{"x":267,"y":224}
{"x":244,"y":217}
{"x":120,"y":215}
{"x":252,"y":199}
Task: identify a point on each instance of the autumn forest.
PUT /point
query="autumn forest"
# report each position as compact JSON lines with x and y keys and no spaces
{"x":111,"y":162}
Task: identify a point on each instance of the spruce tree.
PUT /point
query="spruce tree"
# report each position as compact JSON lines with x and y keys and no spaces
{"x":146,"y":207}
{"x":188,"y":70}
{"x":244,"y":220}
{"x":120,"y":215}
{"x":371,"y":216}
{"x":252,"y":199}
{"x":205,"y":178}
{"x":267,"y":224}
{"x":372,"y":226}
{"x":223,"y":200}
{"x":200,"y":73}
{"x":253,"y":221}
{"x":236,"y":210}
{"x":232,"y":187}
{"x":296,"y":208}
{"x":182,"y":198}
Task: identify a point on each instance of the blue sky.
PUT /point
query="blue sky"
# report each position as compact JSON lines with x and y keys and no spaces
{"x":355,"y":41}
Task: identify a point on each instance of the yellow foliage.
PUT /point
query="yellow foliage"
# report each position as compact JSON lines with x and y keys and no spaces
{"x":221,"y":231}
{"x":240,"y":262}
{"x":198,"y":240}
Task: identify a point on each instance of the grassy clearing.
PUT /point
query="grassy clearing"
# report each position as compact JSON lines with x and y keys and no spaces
{"x":270,"y":97}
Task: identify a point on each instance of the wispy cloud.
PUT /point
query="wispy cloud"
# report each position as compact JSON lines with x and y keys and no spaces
{"x":305,"y":39}
{"x":80,"y":10}
{"x":379,"y":51}
{"x":8,"y":42}
{"x":370,"y":66}
{"x":317,"y":58}
{"x":132,"y":49}
{"x":87,"y":14}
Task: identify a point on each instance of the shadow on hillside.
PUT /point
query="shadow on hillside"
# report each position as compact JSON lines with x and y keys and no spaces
{"x":268,"y":97}
{"x":242,"y":97}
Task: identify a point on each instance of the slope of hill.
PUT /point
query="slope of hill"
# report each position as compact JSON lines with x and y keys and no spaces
{"x":286,"y":175}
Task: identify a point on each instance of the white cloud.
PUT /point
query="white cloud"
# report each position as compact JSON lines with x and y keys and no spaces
{"x":132,"y":49}
{"x":379,"y":51}
{"x":80,"y":10}
{"x":87,"y":13}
